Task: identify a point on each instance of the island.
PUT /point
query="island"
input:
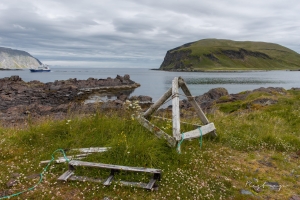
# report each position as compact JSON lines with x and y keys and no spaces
{"x":228,"y":55}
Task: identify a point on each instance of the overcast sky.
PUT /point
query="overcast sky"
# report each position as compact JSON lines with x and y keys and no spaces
{"x":137,"y":33}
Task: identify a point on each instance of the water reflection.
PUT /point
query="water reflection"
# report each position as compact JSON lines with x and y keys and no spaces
{"x":236,"y":80}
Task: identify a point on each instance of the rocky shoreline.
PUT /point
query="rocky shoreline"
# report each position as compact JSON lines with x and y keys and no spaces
{"x":216,"y":71}
{"x":21,"y":101}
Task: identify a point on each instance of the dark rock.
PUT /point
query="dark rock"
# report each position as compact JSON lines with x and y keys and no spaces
{"x":175,"y":58}
{"x":266,"y":163}
{"x":33,"y":176}
{"x":296,"y":89}
{"x":141,"y":99}
{"x":211,"y":57}
{"x":122,"y":97}
{"x":294,"y":197}
{"x":206,"y":100}
{"x":271,"y":90}
{"x":257,"y":189}
{"x":5,"y":193}
{"x":264,"y":102}
{"x":11,"y":182}
{"x":273,"y":185}
{"x":126,"y":77}
{"x":246,"y":192}
{"x":242,"y":53}
{"x":111,"y":105}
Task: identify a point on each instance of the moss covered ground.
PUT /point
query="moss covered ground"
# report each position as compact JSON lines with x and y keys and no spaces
{"x":254,"y":146}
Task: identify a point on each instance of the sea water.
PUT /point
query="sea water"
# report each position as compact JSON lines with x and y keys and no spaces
{"x":155,"y":83}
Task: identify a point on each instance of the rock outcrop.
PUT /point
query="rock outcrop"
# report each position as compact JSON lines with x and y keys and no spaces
{"x":18,"y":99}
{"x":217,"y":96}
{"x":16,"y":59}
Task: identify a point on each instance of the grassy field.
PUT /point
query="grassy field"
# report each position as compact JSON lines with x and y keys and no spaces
{"x":280,"y":58}
{"x":254,"y":146}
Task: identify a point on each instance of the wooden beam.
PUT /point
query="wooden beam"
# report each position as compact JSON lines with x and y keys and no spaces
{"x":114,"y":167}
{"x":91,"y":149}
{"x":157,"y":104}
{"x":63,"y":159}
{"x":197,"y":108}
{"x":175,"y":110}
{"x":157,"y":131}
{"x":196,"y":133}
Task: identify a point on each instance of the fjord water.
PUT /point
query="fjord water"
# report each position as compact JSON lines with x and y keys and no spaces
{"x":155,"y":83}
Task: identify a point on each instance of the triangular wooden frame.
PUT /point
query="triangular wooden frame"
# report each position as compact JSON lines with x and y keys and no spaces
{"x":177,"y":136}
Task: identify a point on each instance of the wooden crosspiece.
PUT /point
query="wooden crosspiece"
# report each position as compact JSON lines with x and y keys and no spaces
{"x":207,"y":128}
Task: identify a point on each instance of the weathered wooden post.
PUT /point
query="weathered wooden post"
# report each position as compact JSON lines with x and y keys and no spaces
{"x":175,"y":110}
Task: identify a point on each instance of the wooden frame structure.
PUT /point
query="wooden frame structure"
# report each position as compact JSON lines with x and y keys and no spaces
{"x":114,"y":169}
{"x":177,"y":83}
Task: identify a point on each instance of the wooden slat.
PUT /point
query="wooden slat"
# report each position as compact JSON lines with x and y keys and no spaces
{"x":91,"y":149}
{"x":157,"y":131}
{"x":191,"y":99}
{"x":175,"y":110}
{"x":66,"y":175}
{"x":114,"y":167}
{"x":196,"y":133}
{"x":157,"y":104}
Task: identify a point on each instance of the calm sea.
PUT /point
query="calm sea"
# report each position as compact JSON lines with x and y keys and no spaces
{"x":156,"y":83}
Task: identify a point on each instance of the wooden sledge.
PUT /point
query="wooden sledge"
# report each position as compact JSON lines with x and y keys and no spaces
{"x":70,"y":174}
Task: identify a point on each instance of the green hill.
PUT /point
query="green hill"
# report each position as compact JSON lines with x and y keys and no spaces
{"x":216,"y":54}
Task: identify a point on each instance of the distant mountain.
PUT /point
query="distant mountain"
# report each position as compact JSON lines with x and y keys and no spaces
{"x":216,"y":54}
{"x":16,"y":59}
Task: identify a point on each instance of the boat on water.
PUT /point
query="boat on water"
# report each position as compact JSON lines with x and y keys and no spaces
{"x":42,"y":68}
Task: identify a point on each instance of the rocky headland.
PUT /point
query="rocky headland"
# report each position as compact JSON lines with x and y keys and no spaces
{"x":16,"y":59}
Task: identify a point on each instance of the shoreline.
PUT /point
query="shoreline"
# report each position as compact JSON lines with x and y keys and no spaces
{"x":224,"y":71}
{"x":4,"y":69}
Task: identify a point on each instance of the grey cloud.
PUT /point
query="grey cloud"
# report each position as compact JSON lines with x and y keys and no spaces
{"x":139,"y":30}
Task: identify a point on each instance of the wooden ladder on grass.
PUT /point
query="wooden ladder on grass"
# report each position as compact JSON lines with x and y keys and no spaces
{"x":208,"y":127}
{"x":70,"y":174}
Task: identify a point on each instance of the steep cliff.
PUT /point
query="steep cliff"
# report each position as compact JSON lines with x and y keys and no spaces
{"x":16,"y":59}
{"x":215,"y":54}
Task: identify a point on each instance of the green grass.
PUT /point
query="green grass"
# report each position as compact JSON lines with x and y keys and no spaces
{"x":253,"y":145}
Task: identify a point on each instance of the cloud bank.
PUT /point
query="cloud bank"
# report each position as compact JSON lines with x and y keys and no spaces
{"x":137,"y":33}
